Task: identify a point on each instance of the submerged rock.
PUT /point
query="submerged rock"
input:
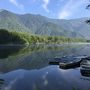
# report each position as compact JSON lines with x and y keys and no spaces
{"x":85,"y":67}
{"x":67,"y":62}
{"x":2,"y":81}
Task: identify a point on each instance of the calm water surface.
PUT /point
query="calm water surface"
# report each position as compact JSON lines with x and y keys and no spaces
{"x":27,"y":68}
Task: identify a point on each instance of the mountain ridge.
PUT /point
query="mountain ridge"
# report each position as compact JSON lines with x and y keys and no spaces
{"x":41,"y":25}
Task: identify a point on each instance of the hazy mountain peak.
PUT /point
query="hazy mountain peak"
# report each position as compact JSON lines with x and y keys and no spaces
{"x":42,"y":25}
{"x":1,"y":10}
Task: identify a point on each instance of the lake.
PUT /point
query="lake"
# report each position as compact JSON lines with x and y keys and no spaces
{"x":27,"y":68}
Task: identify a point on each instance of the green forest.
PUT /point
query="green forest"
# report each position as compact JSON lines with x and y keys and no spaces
{"x":10,"y":37}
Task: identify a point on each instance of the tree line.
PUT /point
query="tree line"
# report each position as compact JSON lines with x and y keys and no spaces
{"x":7,"y":37}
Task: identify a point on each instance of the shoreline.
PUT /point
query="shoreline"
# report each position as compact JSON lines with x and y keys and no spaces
{"x":22,"y":45}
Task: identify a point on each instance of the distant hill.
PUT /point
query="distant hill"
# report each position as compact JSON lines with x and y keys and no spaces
{"x":37,"y":24}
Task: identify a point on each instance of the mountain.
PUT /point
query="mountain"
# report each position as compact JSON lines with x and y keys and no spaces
{"x":37,"y":24}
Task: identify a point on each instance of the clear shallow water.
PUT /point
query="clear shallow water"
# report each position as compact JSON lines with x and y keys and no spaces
{"x":27,"y":68}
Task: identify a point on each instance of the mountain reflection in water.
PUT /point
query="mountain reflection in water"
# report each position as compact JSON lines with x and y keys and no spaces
{"x":28,"y":69}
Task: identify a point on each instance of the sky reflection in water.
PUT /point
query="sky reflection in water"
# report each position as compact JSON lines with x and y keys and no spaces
{"x":28,"y":69}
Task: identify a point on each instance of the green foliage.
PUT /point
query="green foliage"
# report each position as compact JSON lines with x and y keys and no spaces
{"x":7,"y":37}
{"x":88,"y":41}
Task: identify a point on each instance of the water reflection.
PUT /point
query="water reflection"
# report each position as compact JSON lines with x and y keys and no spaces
{"x":35,"y":56}
{"x":48,"y":78}
{"x":6,"y":51}
{"x":28,"y":69}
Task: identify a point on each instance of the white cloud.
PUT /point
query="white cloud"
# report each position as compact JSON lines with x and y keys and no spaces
{"x":64,"y":14}
{"x":45,"y":5}
{"x":70,"y":8}
{"x":17,"y":4}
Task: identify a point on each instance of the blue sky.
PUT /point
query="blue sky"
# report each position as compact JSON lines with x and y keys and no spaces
{"x":59,"y":9}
